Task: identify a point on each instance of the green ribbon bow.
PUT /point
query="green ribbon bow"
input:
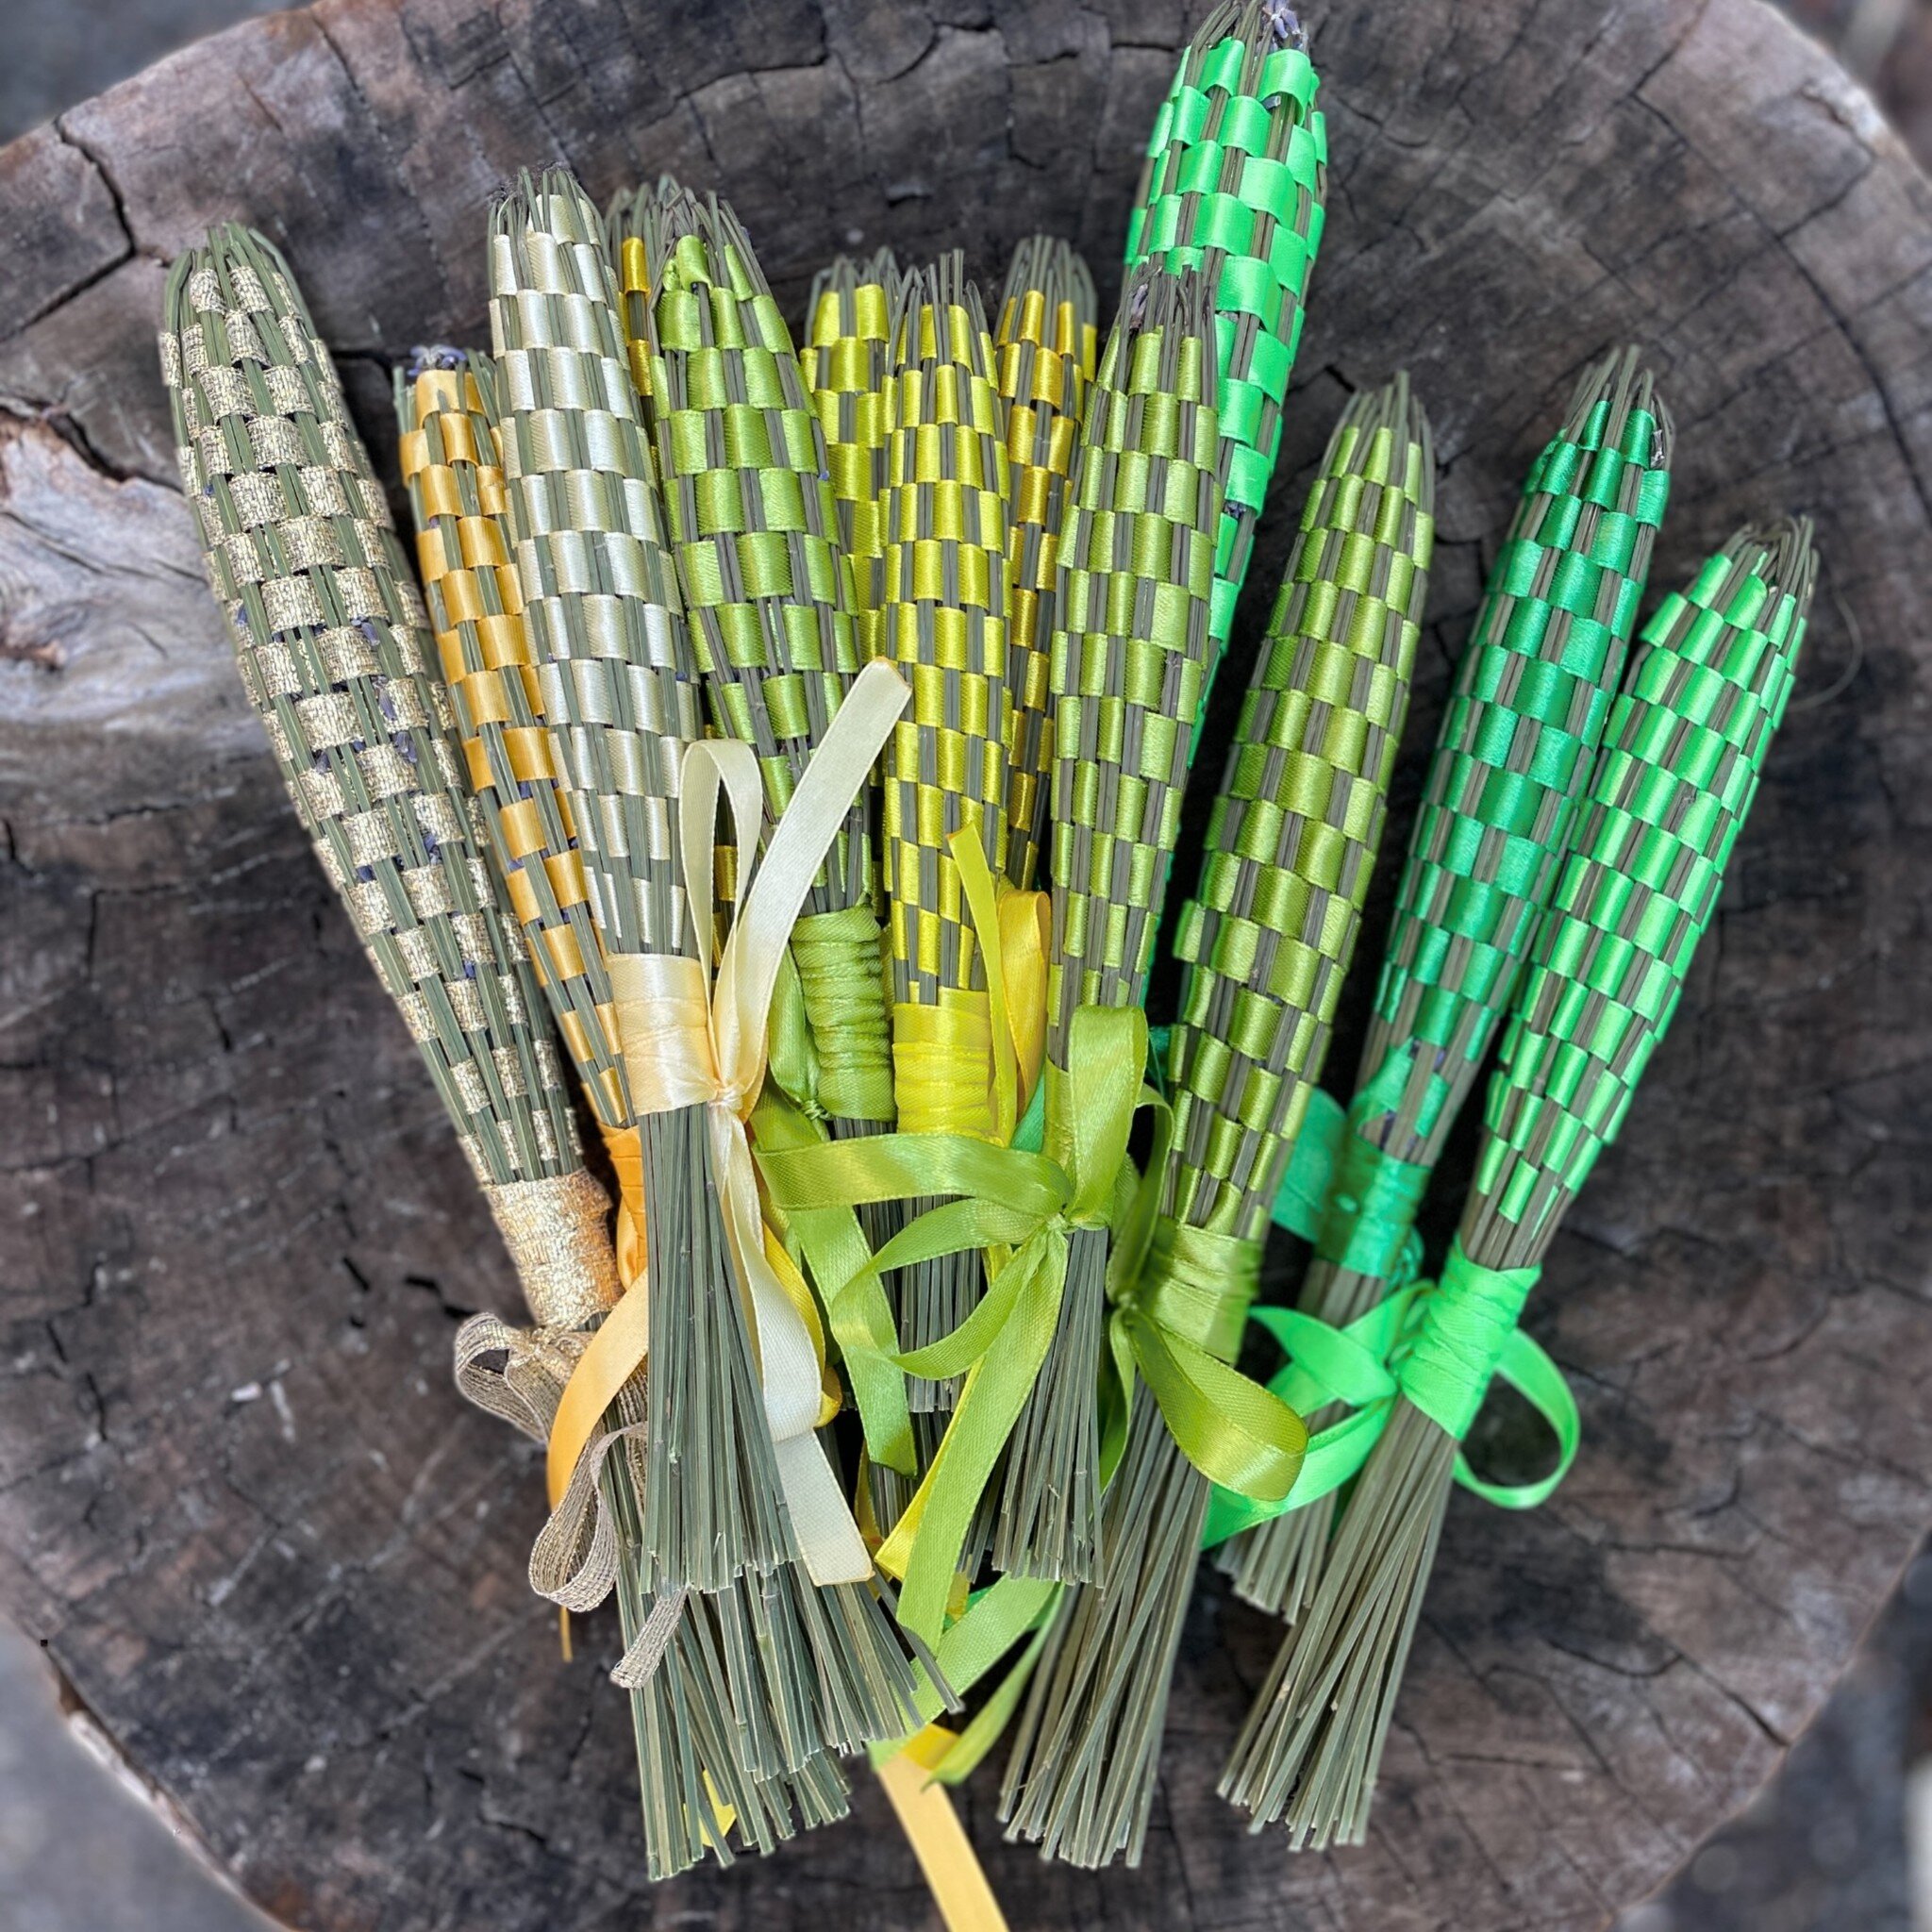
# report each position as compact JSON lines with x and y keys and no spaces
{"x":1438,"y":1344}
{"x":1020,"y":1207}
{"x":1181,"y":1297}
{"x":835,"y":1250}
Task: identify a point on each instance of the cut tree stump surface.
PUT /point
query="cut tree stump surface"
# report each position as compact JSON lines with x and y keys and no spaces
{"x":240,"y":1502}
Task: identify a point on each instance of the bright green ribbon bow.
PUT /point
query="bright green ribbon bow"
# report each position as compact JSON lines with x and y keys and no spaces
{"x":1467,"y":1337}
{"x":1439,"y":1344}
{"x":1017,"y":1205}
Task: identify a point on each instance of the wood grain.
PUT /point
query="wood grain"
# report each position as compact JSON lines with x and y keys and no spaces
{"x":238,"y":1499}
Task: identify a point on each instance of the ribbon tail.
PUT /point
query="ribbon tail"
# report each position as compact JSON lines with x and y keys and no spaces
{"x":1230,"y":1428}
{"x":1528,"y":1368}
{"x":821,"y":1518}
{"x":924,"y":1547}
{"x":613,"y":1355}
{"x":645,"y":1651}
{"x":945,"y":1855}
{"x":1335,"y":1456}
{"x":828,"y":1539}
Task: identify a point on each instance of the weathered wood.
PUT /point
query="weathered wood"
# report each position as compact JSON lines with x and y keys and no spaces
{"x":238,"y":1499}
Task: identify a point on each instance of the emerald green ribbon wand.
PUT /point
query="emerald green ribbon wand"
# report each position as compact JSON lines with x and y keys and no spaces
{"x":1234,"y":184}
{"x":1533,"y":693}
{"x":1668,"y":795}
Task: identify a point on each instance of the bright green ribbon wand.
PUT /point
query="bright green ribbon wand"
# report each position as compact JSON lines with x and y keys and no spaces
{"x":1234,"y":184}
{"x":1533,"y":692}
{"x":1668,"y":795}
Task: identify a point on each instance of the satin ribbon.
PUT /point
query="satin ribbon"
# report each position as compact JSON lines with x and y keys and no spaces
{"x":1180,"y":1296}
{"x":690,"y":1038}
{"x":1467,"y":1337}
{"x":625,"y":1145}
{"x":1365,"y":1365}
{"x":836,"y":1251}
{"x":1002,"y":1199}
{"x":1174,"y":1329}
{"x":953,"y":1873}
{"x":830,"y":1040}
{"x":969,"y":1066}
{"x":991,"y":1623}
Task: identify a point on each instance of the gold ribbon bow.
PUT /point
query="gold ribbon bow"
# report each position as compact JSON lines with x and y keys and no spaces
{"x":692,"y":1036}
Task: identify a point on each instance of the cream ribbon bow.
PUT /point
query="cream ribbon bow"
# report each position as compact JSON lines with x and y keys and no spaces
{"x":690,"y":1038}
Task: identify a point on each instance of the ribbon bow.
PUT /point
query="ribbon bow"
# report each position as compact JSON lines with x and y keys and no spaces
{"x":1180,"y":1296}
{"x":691,"y":1037}
{"x":1439,"y":1344}
{"x":1009,"y":1202}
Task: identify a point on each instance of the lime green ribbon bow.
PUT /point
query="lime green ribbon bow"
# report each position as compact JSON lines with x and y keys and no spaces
{"x":1439,"y":1344}
{"x":1017,"y":1206}
{"x":1181,"y":1297}
{"x":835,"y":1250}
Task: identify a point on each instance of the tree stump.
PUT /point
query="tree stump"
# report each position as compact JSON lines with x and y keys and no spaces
{"x":241,"y":1503}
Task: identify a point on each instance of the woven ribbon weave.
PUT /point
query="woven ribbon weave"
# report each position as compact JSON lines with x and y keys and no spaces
{"x":601,"y":598}
{"x":848,"y":360}
{"x":1129,"y":660}
{"x":751,"y":516}
{"x":330,"y":638}
{"x":1235,"y":183}
{"x":1045,"y":346}
{"x":476,"y":603}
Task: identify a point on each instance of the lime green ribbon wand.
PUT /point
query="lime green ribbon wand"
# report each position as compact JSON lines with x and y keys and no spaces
{"x":1129,"y":656}
{"x":1668,"y":795}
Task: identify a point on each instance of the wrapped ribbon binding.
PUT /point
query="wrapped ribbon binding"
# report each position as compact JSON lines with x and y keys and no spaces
{"x":1667,"y":797}
{"x":1268,"y":938}
{"x":1533,"y":690}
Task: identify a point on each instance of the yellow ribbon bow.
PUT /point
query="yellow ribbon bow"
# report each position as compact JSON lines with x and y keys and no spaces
{"x":693,"y":1037}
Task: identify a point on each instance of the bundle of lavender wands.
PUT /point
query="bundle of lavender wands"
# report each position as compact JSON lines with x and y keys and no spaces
{"x":862,"y":1386}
